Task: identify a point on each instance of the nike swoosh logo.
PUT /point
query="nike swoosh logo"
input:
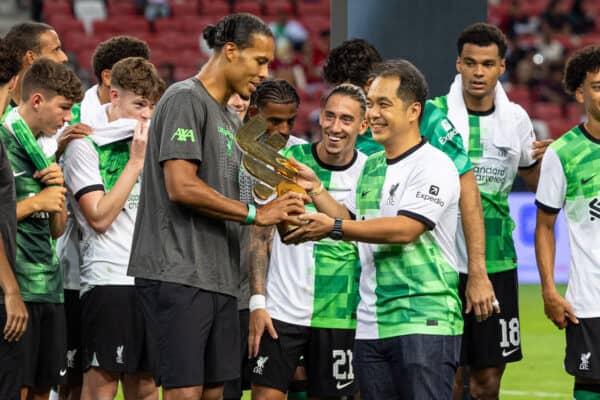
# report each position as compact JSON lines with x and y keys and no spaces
{"x":62,"y":372}
{"x":363,"y":194}
{"x":506,"y":353}
{"x":584,"y":181}
{"x":340,"y":385}
{"x":15,"y":174}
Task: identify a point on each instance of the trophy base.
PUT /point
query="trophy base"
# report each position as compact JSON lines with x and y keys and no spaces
{"x":283,"y":187}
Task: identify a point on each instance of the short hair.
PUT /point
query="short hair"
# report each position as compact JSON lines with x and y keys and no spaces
{"x":278,"y":91}
{"x":482,"y":34}
{"x":579,"y":64}
{"x":412,"y":87}
{"x":237,"y":29}
{"x":115,"y":49}
{"x":52,"y":79}
{"x":137,"y":75}
{"x":10,"y":64}
{"x":351,"y":62}
{"x":26,"y":36}
{"x":349,"y":90}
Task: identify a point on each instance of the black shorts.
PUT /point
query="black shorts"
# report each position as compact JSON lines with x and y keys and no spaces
{"x":73,"y":315}
{"x":44,"y":346}
{"x":582,"y":358}
{"x":11,"y":363}
{"x":497,"y":340}
{"x":196,"y":333}
{"x":114,"y":335}
{"x":327,"y":356}
{"x":234,"y":389}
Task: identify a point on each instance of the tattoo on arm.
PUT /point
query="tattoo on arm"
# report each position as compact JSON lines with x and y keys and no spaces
{"x":259,"y":249}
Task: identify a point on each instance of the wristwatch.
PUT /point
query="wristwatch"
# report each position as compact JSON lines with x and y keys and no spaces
{"x":337,"y":233}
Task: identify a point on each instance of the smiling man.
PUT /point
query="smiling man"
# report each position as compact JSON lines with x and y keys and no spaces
{"x":185,"y":252}
{"x":403,"y":212}
{"x":311,"y":290}
{"x":499,"y":139}
{"x":49,"y":90}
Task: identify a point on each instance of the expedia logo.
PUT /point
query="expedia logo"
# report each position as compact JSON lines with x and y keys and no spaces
{"x":594,"y":209}
{"x":431,"y":196}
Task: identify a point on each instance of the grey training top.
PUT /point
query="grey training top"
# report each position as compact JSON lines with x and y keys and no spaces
{"x":172,"y":243}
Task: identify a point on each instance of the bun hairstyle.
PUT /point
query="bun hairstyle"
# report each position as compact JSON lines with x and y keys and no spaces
{"x":235,"y":28}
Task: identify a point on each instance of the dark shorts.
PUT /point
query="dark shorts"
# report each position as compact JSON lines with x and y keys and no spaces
{"x":327,"y":358}
{"x":196,"y":333}
{"x":44,"y":346}
{"x":407,"y":367}
{"x":114,"y":335}
{"x":234,"y":389}
{"x":582,"y":356}
{"x":73,"y":315}
{"x":11,"y":363}
{"x":497,"y":340}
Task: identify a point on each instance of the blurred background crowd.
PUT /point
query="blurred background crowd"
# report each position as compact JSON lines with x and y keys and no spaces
{"x":542,"y":34}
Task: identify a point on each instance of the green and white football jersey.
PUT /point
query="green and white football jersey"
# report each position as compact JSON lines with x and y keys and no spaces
{"x":496,"y":153}
{"x":409,"y":288}
{"x":89,"y":167}
{"x":570,"y":178}
{"x":316,"y":283}
{"x":37,"y":269}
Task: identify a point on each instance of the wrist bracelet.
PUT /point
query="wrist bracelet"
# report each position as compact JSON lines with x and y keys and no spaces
{"x":317,"y":191}
{"x":257,"y":301}
{"x":251,"y":217}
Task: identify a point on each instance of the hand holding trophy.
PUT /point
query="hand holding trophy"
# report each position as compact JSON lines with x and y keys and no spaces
{"x":275,"y":173}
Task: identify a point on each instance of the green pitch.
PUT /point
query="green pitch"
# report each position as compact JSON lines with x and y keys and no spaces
{"x":540,"y":374}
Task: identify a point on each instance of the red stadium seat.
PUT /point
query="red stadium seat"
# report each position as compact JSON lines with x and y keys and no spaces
{"x":590,"y":38}
{"x":181,"y":9}
{"x":558,"y":126}
{"x":190,"y":59}
{"x":247,"y":7}
{"x":575,"y":111}
{"x":56,"y":7}
{"x":125,"y":24}
{"x":169,"y":25}
{"x":216,"y":8}
{"x":193,"y":24}
{"x":182,"y":73}
{"x":316,"y":9}
{"x":121,"y":8}
{"x":100,"y":27}
{"x":546,"y":111}
{"x":272,"y":8}
{"x":84,"y":59}
{"x":65,"y":24}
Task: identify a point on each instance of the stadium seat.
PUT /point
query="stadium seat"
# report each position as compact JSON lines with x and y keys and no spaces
{"x":590,"y":38}
{"x":547,"y":111}
{"x":558,"y":126}
{"x":272,"y":8}
{"x":247,"y":7}
{"x":65,"y":24}
{"x":100,"y":27}
{"x":84,"y":59}
{"x":190,"y":58}
{"x":125,"y":24}
{"x":193,"y":24}
{"x":184,"y":72}
{"x":181,"y":9}
{"x":121,"y":8}
{"x":56,"y":7}
{"x":169,"y":25}
{"x":314,"y":9}
{"x":218,"y":8}
{"x":575,"y":111}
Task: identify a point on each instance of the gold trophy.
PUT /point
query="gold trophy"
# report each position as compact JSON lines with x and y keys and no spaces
{"x":262,"y":160}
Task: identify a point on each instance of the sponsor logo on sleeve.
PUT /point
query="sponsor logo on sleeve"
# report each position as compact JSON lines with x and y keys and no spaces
{"x":432,"y":196}
{"x":183,"y":135}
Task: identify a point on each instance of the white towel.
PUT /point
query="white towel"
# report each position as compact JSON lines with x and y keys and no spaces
{"x":504,"y":111}
{"x":120,"y":129}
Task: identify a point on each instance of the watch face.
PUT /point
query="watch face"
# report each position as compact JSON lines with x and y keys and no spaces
{"x":336,"y":235}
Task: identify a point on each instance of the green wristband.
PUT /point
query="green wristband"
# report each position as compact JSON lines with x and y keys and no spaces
{"x":251,"y":215}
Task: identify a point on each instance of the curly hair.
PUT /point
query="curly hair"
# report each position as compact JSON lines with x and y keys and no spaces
{"x":137,"y":75}
{"x":579,"y":64}
{"x":350,"y":62}
{"x":482,"y":34}
{"x":26,"y":36}
{"x":349,"y":90}
{"x":10,"y":64}
{"x":52,"y":79}
{"x":235,"y":28}
{"x":115,"y":49}
{"x":278,"y":91}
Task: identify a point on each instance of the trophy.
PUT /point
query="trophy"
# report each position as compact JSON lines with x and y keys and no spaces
{"x":274,"y":172}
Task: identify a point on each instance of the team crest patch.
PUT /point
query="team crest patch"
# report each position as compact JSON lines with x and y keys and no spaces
{"x":585,"y":361}
{"x":260,"y":364}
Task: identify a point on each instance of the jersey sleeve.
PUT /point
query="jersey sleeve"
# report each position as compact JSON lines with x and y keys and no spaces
{"x":526,"y":138}
{"x":429,"y":192}
{"x":81,"y":168}
{"x":179,"y":125}
{"x":441,"y":134}
{"x":552,"y":186}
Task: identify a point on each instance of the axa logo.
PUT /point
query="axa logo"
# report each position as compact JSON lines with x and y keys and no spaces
{"x":183,"y":135}
{"x":585,"y":361}
{"x":260,"y":364}
{"x":594,"y":209}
